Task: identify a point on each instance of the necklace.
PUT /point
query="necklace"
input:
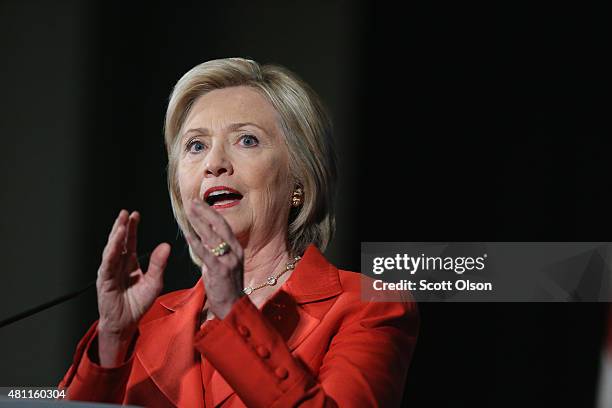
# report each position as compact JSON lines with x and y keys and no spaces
{"x":271,"y":281}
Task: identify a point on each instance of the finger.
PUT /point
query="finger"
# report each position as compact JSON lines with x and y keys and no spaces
{"x":202,"y":227}
{"x":221,"y":273}
{"x":203,"y":253}
{"x":121,"y":219}
{"x":113,"y":237}
{"x":118,"y":221}
{"x":194,"y":243}
{"x":211,"y":239}
{"x":117,"y":245}
{"x":219,"y":225}
{"x":214,"y":226}
{"x":211,"y":261}
{"x":158,"y":262}
{"x":112,"y":253}
{"x":132,"y":234}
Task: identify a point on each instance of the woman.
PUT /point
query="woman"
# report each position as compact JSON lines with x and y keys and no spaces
{"x":271,"y":323}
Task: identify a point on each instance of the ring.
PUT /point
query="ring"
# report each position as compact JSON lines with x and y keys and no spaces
{"x":221,"y":249}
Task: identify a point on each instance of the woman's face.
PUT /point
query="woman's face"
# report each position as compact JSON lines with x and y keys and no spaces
{"x":234,"y":157}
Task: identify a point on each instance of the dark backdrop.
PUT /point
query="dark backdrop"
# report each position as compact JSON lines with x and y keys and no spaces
{"x":452,"y":124}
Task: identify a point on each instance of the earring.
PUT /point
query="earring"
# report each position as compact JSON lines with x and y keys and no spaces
{"x":297,"y":198}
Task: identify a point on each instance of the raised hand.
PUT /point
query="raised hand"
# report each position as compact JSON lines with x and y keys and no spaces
{"x":124,"y":291}
{"x":222,"y":275}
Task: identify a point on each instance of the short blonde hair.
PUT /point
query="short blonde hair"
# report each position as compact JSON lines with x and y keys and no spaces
{"x":304,"y":123}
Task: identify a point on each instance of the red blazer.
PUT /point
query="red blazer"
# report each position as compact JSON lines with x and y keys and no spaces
{"x":315,"y":343}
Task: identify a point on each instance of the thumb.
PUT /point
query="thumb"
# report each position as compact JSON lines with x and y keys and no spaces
{"x":158,"y":261}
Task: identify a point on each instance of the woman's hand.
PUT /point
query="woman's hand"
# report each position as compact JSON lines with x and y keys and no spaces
{"x":222,"y":275}
{"x":125,"y":293}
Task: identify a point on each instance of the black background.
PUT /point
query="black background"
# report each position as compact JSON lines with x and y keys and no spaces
{"x":453,"y":123}
{"x":490,"y":125}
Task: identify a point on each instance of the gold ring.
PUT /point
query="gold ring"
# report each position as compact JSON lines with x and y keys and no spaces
{"x":221,"y":249}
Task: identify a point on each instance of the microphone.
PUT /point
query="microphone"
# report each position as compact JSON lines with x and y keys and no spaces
{"x":64,"y":298}
{"x":36,"y":309}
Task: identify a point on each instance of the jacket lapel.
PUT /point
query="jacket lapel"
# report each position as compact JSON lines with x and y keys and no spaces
{"x":167,"y":352}
{"x":314,"y":279}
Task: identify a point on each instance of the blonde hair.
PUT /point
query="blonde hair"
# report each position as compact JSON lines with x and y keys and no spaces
{"x":304,"y":123}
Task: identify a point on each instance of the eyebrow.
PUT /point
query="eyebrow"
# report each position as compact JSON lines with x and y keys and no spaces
{"x":231,"y":128}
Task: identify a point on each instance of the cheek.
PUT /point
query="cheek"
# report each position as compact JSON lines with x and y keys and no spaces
{"x":273,"y":185}
{"x":269,"y":170}
{"x":187,"y":182}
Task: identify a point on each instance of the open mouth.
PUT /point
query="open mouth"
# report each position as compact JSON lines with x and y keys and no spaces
{"x":222,"y":197}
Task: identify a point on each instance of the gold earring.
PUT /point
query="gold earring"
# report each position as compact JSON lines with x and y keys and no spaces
{"x":297,"y":198}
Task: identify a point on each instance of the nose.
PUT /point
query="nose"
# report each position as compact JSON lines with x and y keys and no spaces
{"x":217,"y":162}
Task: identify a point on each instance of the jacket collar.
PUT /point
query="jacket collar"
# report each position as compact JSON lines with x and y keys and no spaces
{"x":313,"y":279}
{"x":167,"y":352}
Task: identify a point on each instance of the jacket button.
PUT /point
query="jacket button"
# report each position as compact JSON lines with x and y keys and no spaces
{"x":281,"y":372}
{"x":263,"y":352}
{"x":244,"y":332}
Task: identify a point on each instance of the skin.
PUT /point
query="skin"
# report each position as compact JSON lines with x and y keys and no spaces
{"x":124,"y":291}
{"x":232,"y":138}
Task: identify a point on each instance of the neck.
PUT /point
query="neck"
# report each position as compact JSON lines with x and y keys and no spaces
{"x":262,"y":261}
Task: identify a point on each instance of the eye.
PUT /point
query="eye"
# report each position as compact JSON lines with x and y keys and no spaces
{"x":249,"y":140}
{"x":194,"y":146}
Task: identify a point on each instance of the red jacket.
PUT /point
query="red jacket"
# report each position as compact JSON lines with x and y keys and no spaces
{"x":314,"y":343}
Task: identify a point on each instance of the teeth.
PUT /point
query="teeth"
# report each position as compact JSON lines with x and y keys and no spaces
{"x":219,"y":192}
{"x":221,"y":202}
